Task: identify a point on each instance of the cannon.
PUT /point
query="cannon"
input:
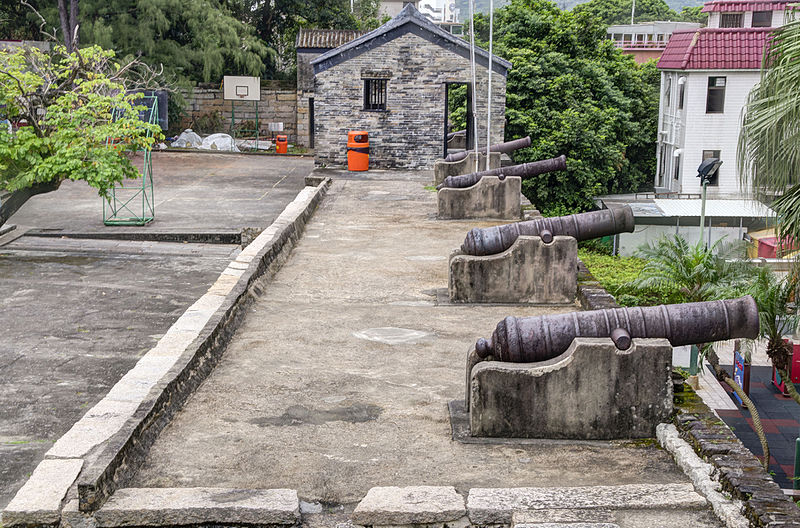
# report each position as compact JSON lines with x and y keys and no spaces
{"x":524,"y":170}
{"x":582,"y":226}
{"x":534,"y":339}
{"x":508,"y":146}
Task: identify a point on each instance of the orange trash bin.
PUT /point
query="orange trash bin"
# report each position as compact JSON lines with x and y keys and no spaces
{"x":357,"y":150}
{"x":281,"y":144}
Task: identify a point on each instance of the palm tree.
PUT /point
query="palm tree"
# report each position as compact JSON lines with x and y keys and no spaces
{"x":695,"y":273}
{"x":768,"y":154}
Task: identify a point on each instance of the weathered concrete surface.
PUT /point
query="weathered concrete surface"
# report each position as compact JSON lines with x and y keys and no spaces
{"x":411,"y":505}
{"x":39,"y":500}
{"x":442,"y":169}
{"x":592,"y":391}
{"x":493,"y":506}
{"x":193,"y":192}
{"x":530,"y":271}
{"x":192,"y":506}
{"x":78,"y":313}
{"x":491,"y":197}
{"x":646,"y":518}
{"x":300,"y":401}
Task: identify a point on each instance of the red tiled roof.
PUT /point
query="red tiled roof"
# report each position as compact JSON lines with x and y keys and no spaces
{"x":715,"y":49}
{"x":745,"y":5}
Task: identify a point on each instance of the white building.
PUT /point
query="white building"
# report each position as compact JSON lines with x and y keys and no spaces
{"x":646,"y":40}
{"x":706,"y":75}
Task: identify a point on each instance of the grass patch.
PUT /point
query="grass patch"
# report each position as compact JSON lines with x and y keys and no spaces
{"x":614,"y":272}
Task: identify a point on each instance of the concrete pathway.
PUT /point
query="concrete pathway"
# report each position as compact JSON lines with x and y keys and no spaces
{"x":339,"y":378}
{"x":79,"y":312}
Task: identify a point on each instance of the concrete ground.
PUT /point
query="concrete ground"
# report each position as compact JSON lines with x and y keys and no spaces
{"x":193,"y":191}
{"x":339,"y":378}
{"x":78,"y":312}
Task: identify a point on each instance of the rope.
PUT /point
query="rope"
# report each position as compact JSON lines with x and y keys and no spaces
{"x":474,"y":84}
{"x":489,"y":91}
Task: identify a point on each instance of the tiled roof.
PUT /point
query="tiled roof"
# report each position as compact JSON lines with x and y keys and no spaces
{"x":325,"y":38}
{"x":727,"y":6}
{"x":715,"y":49}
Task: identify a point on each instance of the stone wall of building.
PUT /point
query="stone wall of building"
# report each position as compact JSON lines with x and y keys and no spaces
{"x":409,"y":133}
{"x":305,"y":92}
{"x":278,"y":104}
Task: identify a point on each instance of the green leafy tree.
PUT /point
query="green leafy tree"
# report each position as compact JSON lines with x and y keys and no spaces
{"x":574,"y":93}
{"x":693,"y":14}
{"x":619,"y":11}
{"x":72,"y":104}
{"x":768,"y":156}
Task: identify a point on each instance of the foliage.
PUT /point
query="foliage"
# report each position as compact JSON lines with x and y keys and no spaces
{"x":692,"y":273}
{"x":574,"y":93}
{"x":768,"y":154}
{"x":277,"y":23}
{"x":619,"y":11}
{"x":613,"y":12}
{"x":615,"y":274}
{"x":777,"y":311}
{"x":207,"y":123}
{"x":72,"y":103}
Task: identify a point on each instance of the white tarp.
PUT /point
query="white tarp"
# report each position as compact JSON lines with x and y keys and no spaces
{"x":218,"y":142}
{"x":187,"y":139}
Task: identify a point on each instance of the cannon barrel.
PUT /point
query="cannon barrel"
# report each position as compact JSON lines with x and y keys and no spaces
{"x":531,"y":339}
{"x":508,"y":146}
{"x":582,"y":226}
{"x":524,"y":170}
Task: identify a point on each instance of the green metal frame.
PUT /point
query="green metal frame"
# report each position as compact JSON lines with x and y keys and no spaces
{"x":131,"y":202}
{"x":244,"y":131}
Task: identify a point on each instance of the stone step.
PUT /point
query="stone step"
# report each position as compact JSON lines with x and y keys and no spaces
{"x":410,"y":505}
{"x":498,"y":505}
{"x":193,"y":506}
{"x":568,"y":525}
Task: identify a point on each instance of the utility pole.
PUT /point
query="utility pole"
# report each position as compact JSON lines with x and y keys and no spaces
{"x":633,"y":10}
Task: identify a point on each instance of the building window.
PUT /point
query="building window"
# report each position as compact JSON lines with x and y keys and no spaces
{"x":715,"y":100}
{"x":676,"y":175}
{"x":731,"y":20}
{"x":762,"y":19}
{"x":375,"y":94}
{"x":667,"y":92}
{"x":712,"y":154}
{"x":681,"y":92}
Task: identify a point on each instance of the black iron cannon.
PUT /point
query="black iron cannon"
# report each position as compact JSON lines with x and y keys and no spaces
{"x":582,"y":226}
{"x":532,"y":339}
{"x":524,"y":170}
{"x":508,"y":146}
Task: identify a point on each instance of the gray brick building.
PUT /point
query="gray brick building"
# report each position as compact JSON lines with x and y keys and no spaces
{"x":392,"y":82}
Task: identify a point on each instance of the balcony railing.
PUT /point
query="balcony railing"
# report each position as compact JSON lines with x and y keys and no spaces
{"x":640,"y":44}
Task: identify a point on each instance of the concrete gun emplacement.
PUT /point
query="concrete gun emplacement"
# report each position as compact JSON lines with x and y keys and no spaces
{"x":533,"y":339}
{"x":525,"y":170}
{"x":582,"y":226}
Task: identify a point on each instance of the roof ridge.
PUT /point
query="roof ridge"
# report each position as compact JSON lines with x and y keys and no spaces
{"x":688,"y":54}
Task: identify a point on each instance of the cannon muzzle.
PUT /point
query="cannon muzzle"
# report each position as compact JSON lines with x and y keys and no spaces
{"x":525,"y":170}
{"x":532,"y":339}
{"x":582,"y":226}
{"x":508,"y":146}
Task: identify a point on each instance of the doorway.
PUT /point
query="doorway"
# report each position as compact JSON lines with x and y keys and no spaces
{"x":458,"y":119}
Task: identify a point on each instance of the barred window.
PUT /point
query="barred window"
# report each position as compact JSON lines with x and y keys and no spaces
{"x":762,"y":19}
{"x":375,"y":94}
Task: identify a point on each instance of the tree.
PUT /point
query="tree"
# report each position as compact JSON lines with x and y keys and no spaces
{"x":72,"y":105}
{"x":619,"y":11}
{"x":574,"y":93}
{"x":69,"y":23}
{"x":768,"y":156}
{"x":694,"y":274}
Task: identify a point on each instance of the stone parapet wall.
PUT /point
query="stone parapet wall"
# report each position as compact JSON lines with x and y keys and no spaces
{"x":278,"y":104}
{"x":409,"y":133}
